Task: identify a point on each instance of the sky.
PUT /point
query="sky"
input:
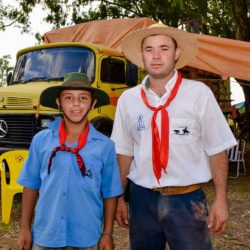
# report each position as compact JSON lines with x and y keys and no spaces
{"x":237,"y":93}
{"x":12,"y":40}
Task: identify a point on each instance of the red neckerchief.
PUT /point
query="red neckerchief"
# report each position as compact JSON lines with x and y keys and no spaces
{"x":160,"y":148}
{"x":81,"y":143}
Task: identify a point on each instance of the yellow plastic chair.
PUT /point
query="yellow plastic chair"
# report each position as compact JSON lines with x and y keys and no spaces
{"x":11,"y":163}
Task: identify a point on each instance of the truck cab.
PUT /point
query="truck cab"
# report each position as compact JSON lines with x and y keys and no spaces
{"x":42,"y":66}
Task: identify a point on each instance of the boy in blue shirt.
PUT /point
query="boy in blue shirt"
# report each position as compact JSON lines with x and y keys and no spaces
{"x":71,"y":175}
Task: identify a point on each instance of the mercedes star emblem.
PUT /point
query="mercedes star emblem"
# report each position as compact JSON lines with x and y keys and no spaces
{"x":3,"y":128}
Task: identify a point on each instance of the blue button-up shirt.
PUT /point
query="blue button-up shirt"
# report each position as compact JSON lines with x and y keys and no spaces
{"x":69,"y":210}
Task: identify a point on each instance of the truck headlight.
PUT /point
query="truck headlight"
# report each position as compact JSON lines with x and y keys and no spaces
{"x":44,"y":122}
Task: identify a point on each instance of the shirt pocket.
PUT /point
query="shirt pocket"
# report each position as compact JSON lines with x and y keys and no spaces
{"x":93,"y":178}
{"x":183,"y":131}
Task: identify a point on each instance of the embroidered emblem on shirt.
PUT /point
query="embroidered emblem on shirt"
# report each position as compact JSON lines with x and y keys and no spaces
{"x":181,"y":131}
{"x":89,"y":173}
{"x":140,"y":124}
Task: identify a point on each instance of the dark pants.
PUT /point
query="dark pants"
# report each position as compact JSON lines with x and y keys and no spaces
{"x":179,"y":220}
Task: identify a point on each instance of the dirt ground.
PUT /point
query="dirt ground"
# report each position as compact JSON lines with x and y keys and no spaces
{"x":236,"y":236}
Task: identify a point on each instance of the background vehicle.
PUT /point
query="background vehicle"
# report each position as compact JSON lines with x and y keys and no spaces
{"x":41,"y":66}
{"x":93,"y":48}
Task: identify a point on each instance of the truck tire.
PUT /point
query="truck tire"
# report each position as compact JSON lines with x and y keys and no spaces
{"x":103,"y":125}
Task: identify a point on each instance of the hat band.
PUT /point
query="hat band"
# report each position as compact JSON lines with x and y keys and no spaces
{"x":76,"y":83}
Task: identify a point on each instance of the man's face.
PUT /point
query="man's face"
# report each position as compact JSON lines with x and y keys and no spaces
{"x":159,"y":55}
{"x":75,"y":104}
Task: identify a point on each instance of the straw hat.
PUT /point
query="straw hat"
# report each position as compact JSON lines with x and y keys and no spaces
{"x":131,"y":44}
{"x":75,"y":81}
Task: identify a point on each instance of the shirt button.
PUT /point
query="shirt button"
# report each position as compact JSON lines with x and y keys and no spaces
{"x":62,"y":218}
{"x":64,"y":194}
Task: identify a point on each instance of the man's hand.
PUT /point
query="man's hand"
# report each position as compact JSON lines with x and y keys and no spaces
{"x":122,"y":213}
{"x":124,"y":163}
{"x":218,"y":217}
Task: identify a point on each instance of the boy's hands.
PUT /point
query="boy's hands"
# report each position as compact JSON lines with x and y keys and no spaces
{"x":106,"y":243}
{"x":24,"y":241}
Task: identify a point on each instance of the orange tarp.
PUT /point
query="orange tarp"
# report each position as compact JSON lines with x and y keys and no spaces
{"x":106,"y":32}
{"x":225,"y":57}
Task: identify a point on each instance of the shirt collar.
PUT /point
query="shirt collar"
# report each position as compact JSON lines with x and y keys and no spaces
{"x":93,"y":133}
{"x":168,"y":86}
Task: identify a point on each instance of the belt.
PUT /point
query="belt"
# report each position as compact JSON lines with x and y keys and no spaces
{"x":172,"y":190}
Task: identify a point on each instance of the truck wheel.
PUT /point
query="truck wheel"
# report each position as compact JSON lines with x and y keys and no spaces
{"x":103,"y":125}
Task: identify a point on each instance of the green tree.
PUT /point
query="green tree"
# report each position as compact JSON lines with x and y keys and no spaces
{"x":18,"y":16}
{"x":242,"y":32}
{"x":225,"y":18}
{"x":5,"y":68}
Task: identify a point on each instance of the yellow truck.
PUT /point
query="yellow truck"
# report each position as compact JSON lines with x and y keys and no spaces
{"x":77,"y":48}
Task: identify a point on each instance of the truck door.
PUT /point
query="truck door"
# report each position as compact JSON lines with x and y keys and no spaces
{"x":113,"y":81}
{"x":110,"y":77}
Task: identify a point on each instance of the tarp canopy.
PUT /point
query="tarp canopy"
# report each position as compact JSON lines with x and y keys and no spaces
{"x":225,"y":57}
{"x":106,"y":32}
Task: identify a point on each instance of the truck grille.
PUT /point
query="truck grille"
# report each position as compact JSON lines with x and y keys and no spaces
{"x":21,"y":129}
{"x":19,"y":101}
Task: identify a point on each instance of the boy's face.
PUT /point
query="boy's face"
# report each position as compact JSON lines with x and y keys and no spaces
{"x":75,"y":104}
{"x":159,"y":54}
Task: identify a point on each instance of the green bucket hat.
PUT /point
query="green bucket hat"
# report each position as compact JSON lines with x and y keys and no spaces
{"x":77,"y":81}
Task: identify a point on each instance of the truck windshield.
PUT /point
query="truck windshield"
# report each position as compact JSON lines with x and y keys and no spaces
{"x":53,"y":63}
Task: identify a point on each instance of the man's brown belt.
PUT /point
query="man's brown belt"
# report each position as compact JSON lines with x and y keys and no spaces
{"x":178,"y":189}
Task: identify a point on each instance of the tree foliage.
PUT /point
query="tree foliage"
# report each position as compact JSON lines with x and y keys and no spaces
{"x":225,"y":18}
{"x":5,"y":68}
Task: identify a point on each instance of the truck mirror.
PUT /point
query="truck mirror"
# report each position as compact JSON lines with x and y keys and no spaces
{"x":9,"y":78}
{"x":131,"y":74}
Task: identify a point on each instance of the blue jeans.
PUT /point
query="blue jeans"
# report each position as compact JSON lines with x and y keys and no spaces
{"x":179,"y":220}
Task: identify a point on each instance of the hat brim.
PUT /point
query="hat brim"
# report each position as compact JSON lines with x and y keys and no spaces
{"x":49,"y":95}
{"x":131,"y":44}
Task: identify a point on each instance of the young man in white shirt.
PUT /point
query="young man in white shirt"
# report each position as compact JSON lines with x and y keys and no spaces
{"x":171,"y":137}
